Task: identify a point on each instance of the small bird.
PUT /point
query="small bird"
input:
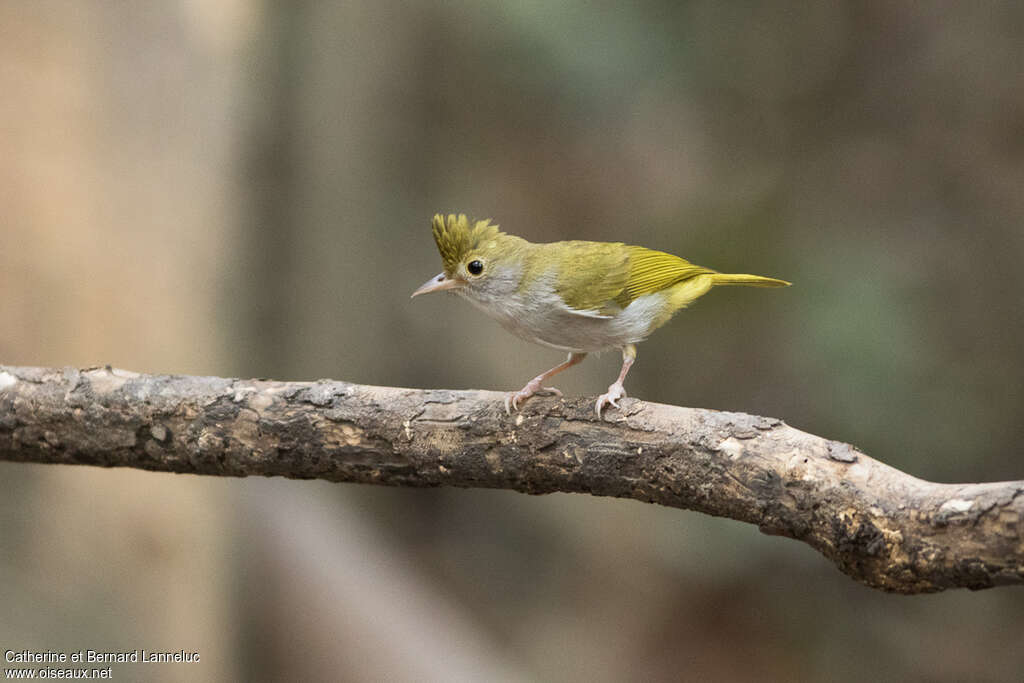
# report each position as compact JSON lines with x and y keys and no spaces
{"x":575,"y":296}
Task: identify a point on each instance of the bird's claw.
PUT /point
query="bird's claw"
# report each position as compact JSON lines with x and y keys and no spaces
{"x":615,"y":392}
{"x":513,"y":400}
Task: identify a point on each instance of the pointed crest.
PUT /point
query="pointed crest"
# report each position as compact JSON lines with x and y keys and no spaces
{"x":456,"y":236}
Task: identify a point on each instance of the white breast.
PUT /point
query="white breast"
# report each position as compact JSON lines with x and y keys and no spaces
{"x":541,"y":316}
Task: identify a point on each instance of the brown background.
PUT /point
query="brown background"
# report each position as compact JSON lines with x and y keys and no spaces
{"x":245,"y":188}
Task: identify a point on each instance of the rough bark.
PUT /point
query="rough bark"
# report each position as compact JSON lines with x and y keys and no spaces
{"x":882,"y":527}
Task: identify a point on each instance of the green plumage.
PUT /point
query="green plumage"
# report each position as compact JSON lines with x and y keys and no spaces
{"x":610,"y":275}
{"x":597,"y":275}
{"x":603,"y":277}
{"x":577,"y":296}
{"x":456,"y":238}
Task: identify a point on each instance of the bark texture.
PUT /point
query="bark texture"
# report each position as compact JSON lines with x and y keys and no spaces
{"x":882,"y":527}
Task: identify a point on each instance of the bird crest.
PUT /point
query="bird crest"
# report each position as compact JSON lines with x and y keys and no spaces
{"x":456,"y":236}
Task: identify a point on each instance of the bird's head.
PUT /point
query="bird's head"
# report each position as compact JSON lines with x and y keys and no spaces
{"x":480,"y":262}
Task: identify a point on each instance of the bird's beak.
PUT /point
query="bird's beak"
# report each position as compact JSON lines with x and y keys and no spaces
{"x":438,"y":283}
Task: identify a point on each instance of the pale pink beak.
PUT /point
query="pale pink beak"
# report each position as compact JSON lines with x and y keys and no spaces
{"x":438,"y":283}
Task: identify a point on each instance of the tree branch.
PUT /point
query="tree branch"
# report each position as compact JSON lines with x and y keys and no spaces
{"x":884,"y":528}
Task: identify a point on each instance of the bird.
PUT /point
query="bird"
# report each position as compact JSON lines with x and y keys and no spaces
{"x":576,"y":296}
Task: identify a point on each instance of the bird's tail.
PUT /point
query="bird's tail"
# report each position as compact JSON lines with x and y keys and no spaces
{"x":748,"y":280}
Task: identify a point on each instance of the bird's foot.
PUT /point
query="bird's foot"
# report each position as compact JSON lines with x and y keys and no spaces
{"x":532,"y":387}
{"x":615,"y":392}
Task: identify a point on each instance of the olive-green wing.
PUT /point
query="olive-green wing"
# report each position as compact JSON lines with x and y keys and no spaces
{"x":591,"y":275}
{"x":652,"y":271}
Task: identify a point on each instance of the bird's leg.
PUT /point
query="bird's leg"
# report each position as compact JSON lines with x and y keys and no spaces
{"x":616,"y":390}
{"x":513,"y":400}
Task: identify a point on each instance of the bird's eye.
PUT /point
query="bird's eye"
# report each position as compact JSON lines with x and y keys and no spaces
{"x":475,"y":267}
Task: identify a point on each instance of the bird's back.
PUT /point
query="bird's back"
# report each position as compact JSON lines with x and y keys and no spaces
{"x":587,"y":296}
{"x":609,"y":276}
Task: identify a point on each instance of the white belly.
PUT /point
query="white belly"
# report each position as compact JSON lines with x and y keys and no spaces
{"x":545,"y":319}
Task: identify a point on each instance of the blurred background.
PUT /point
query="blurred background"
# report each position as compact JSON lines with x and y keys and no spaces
{"x":244,"y":188}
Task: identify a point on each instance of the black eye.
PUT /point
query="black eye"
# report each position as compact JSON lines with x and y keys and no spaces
{"x":475,"y":267}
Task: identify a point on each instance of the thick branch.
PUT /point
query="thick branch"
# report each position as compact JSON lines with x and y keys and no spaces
{"x":882,"y":527}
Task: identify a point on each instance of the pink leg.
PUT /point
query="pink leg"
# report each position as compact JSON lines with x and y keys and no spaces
{"x":532,"y":387}
{"x":616,"y":390}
